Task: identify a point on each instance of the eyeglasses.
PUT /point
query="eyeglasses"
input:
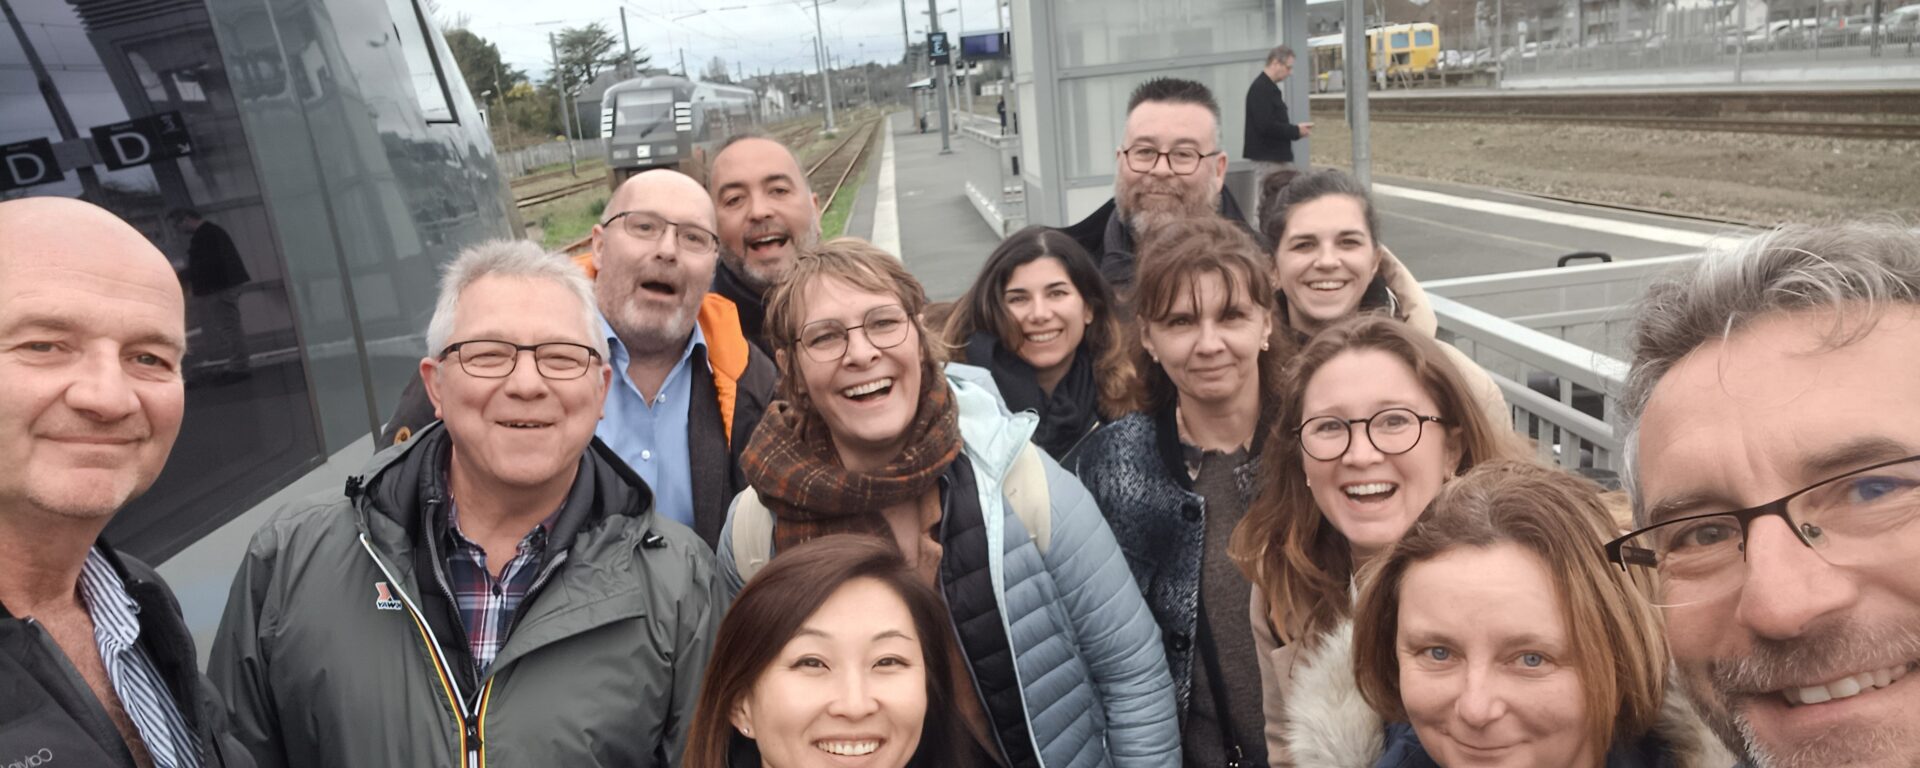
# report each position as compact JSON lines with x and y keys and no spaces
{"x":1185,"y":160}
{"x":556,"y":360}
{"x":651,"y":228}
{"x":1393,"y":431}
{"x":826,"y":340}
{"x":1855,"y":519}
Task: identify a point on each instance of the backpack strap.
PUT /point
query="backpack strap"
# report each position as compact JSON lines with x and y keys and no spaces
{"x":1026,"y":489}
{"x":752,"y":534}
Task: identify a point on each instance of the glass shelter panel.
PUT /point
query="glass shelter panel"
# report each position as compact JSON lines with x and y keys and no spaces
{"x":1094,"y":110}
{"x":1091,"y":33}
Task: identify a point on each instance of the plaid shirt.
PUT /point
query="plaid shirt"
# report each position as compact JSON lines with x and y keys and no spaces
{"x":487,"y":605}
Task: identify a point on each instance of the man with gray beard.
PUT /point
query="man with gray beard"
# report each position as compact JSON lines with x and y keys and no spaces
{"x":1169,"y":166}
{"x":1774,"y":458}
{"x":688,"y":385}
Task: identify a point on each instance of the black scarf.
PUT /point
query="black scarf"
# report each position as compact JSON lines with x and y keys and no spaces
{"x":1066,"y":416}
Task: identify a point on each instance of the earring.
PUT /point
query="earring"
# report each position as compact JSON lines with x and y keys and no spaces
{"x":1265,"y":345}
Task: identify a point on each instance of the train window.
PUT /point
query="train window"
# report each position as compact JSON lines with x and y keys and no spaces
{"x":137,"y":112}
{"x":639,"y":112}
{"x":1399,"y":40}
{"x":421,"y":61}
{"x":1423,"y":37}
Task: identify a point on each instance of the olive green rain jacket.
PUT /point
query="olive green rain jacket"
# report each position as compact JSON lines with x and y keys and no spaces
{"x":341,"y":645}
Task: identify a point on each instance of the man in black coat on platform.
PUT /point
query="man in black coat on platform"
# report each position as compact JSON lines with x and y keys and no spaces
{"x":1270,"y":131}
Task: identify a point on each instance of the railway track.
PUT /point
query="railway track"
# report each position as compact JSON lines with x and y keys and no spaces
{"x":1867,"y":114}
{"x":830,"y":172}
{"x":838,"y":164}
{"x":555,"y":194}
{"x":1851,"y":129}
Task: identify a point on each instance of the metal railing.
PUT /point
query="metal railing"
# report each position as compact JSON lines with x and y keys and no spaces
{"x":1515,"y":356}
{"x":1586,"y":304}
{"x":993,"y":174}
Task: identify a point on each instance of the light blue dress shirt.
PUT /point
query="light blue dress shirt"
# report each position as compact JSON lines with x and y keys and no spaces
{"x":652,"y":437}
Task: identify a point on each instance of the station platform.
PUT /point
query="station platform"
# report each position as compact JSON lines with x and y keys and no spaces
{"x":914,"y":204}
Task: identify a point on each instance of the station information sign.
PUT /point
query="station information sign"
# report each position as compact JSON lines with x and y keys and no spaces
{"x":937,"y":50}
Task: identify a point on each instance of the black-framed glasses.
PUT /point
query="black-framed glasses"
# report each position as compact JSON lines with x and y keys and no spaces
{"x":1393,"y":431}
{"x":825,"y":341}
{"x":650,"y":227}
{"x":1182,"y":160}
{"x":1854,"y":519}
{"x":491,"y":359}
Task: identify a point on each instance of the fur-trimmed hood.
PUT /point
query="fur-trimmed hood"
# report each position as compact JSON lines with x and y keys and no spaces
{"x":1330,"y":726}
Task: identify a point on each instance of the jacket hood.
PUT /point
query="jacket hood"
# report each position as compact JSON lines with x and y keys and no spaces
{"x":992,"y":435}
{"x":399,"y":480}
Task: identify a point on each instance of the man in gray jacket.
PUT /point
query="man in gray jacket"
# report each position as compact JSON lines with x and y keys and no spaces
{"x":496,"y":590}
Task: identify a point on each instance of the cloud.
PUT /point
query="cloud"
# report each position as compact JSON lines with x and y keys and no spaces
{"x":753,"y":35}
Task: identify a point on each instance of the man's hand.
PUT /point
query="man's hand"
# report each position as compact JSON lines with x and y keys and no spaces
{"x":1306,"y":129}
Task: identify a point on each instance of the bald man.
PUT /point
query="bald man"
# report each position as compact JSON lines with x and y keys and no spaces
{"x":768,"y":217}
{"x":688,"y":387}
{"x":97,"y":664}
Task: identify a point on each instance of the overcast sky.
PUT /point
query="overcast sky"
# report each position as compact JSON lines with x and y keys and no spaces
{"x":770,"y":35}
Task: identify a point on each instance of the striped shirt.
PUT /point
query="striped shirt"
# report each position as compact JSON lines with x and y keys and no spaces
{"x":116,"y":631}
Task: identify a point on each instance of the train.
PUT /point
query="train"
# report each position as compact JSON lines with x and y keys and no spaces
{"x":337,"y":145}
{"x":1411,"y":50}
{"x":667,"y":121}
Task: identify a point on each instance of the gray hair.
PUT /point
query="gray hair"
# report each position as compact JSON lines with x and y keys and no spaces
{"x":1280,"y":53}
{"x":1858,"y":269}
{"x":510,"y":258}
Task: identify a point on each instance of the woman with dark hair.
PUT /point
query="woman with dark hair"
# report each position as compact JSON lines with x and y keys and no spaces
{"x":1175,"y":478}
{"x":1060,"y":661}
{"x":835,"y":650}
{"x":1373,"y":420}
{"x":1045,"y":323}
{"x":1329,"y":265}
{"x":1496,"y":632}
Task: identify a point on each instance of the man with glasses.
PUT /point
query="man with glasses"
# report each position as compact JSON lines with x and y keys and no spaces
{"x":1774,"y":457}
{"x":1169,"y":166}
{"x":500,"y":586}
{"x":688,"y":387}
{"x":1270,"y":132}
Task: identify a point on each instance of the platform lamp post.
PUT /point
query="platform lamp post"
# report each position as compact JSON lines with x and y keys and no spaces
{"x":826,"y":82}
{"x":1357,"y":91}
{"x":940,"y":76}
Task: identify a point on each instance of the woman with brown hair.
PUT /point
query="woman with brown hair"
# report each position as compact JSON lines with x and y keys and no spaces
{"x":1046,"y":324}
{"x":1496,"y":632}
{"x":836,"y":650}
{"x":1374,"y":420}
{"x":1175,"y":478}
{"x":1059,"y":662}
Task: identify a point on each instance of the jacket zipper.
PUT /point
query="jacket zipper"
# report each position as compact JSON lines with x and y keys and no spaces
{"x":469,"y":733}
{"x":469,"y":720}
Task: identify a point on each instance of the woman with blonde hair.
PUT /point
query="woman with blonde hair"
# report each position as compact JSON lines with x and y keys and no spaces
{"x":1044,"y":322}
{"x":1496,"y":632}
{"x":1058,"y":660}
{"x":1374,"y":420}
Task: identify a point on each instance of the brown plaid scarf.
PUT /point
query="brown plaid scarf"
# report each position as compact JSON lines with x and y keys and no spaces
{"x":791,"y":463}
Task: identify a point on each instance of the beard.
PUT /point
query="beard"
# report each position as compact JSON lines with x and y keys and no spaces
{"x":1146,"y":207}
{"x":763,"y":277}
{"x":648,"y":330}
{"x":1718,"y":689}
